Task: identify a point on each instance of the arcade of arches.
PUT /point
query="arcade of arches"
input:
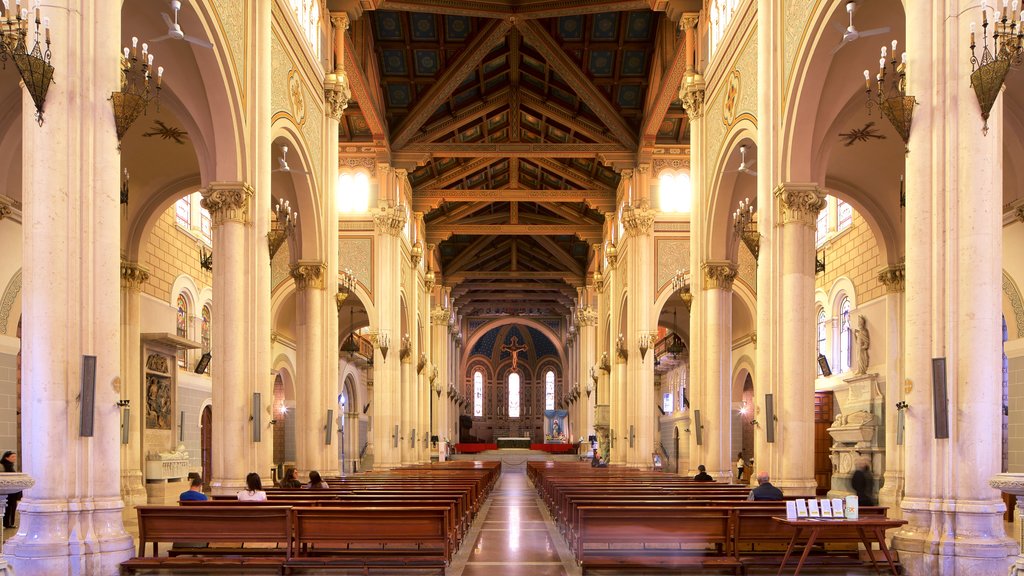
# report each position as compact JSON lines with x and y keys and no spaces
{"x":487,"y":216}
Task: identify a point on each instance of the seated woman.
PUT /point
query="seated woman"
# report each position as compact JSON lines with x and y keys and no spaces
{"x":254,"y":489}
{"x":316,"y":482}
{"x":291,"y":479}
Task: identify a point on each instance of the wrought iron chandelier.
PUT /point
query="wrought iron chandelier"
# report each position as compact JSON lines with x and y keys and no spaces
{"x":744,"y":224}
{"x":891,"y":93}
{"x":138,"y":88}
{"x":282,"y":226}
{"x":33,"y":64}
{"x":989,"y":72}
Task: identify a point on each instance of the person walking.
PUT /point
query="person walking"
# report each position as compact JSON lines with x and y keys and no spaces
{"x":740,"y":465}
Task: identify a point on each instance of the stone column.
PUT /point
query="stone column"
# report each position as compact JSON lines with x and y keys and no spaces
{"x":437,"y":378}
{"x":311,"y":398}
{"x":133,"y":276}
{"x":953,"y":301}
{"x":892,"y":484}
{"x":230,"y":208}
{"x":797,"y":207}
{"x":586,"y":317}
{"x":639,"y":390}
{"x":717,"y":404}
{"x":71,"y":519}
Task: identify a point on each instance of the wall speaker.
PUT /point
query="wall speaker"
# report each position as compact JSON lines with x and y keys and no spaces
{"x":823,"y":365}
{"x":698,"y":427}
{"x":632,"y":435}
{"x":204,"y":361}
{"x":940,"y":403}
{"x":900,"y":422}
{"x":412,"y":439}
{"x":254,"y":417}
{"x":394,"y":438}
{"x":328,"y":426}
{"x":769,"y":417}
{"x":88,"y":395}
{"x":126,"y":421}
{"x":181,"y":427}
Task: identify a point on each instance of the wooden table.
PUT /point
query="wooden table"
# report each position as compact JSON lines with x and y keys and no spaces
{"x":822,"y":526}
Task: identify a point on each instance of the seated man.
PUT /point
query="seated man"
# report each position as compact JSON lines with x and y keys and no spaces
{"x":764,"y":490}
{"x":702,"y":475}
{"x":598,"y":462}
{"x":195,"y":491}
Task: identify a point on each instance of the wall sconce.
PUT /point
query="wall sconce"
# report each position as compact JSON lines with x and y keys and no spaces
{"x":989,"y":72}
{"x":205,"y":258}
{"x":382,"y":340}
{"x":744,"y":225}
{"x":892,"y":97}
{"x":902,"y":405}
{"x":421,"y":363}
{"x":137,"y":87}
{"x":605,"y":364}
{"x":406,"y":347}
{"x":282,"y":226}
{"x":644,"y":342}
{"x":590,"y":390}
{"x":437,"y":388}
{"x":123,"y":403}
{"x":416,"y":253}
{"x":755,"y":423}
{"x":33,"y":65}
{"x":433,"y":376}
{"x":620,"y":347}
{"x":681,"y":285}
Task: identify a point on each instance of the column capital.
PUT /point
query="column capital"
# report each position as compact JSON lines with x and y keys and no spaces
{"x":799,"y":202}
{"x":586,"y":316}
{"x":337,"y":93}
{"x":893,"y":277}
{"x":228,"y":202}
{"x":692,"y":95}
{"x":133,"y":276}
{"x":340,"y":20}
{"x":688,"y":20}
{"x":390,"y":220}
{"x":309,"y":274}
{"x":638,"y":221}
{"x":439,"y":316}
{"x":718,"y":274}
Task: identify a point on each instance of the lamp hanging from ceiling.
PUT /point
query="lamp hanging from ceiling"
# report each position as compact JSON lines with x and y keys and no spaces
{"x":33,"y":64}
{"x":138,"y":88}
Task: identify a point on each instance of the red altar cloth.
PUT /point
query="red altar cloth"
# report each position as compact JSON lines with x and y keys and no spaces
{"x":555,"y":448}
{"x":466,"y":448}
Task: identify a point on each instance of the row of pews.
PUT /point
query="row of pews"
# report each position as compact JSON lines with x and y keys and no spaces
{"x":410,"y":519}
{"x":628,"y":519}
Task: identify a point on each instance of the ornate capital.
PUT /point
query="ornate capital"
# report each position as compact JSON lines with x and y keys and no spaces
{"x":688,"y":21}
{"x":1020,"y":214}
{"x":638,"y":221}
{"x":340,"y":21}
{"x":337,"y":93}
{"x":599,"y":282}
{"x":133,"y":276}
{"x":390,"y":220}
{"x":692,"y":95}
{"x":439,"y":316}
{"x":5,"y":207}
{"x":586,"y":316}
{"x":799,"y":203}
{"x":228,"y":202}
{"x":893,"y":277}
{"x":309,"y":274}
{"x":718,"y":275}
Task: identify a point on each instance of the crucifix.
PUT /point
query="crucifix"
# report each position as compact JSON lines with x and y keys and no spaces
{"x":514,"y":348}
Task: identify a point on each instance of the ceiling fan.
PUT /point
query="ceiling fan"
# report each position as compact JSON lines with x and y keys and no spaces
{"x":851,"y":33}
{"x":282,"y":164}
{"x":174,"y":29}
{"x":744,"y":168}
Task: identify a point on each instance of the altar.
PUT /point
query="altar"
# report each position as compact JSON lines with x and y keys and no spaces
{"x":514,"y":442}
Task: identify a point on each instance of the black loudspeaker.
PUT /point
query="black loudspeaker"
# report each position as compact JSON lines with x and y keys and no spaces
{"x":88,"y":395}
{"x":940,"y":402}
{"x":769,"y":417}
{"x":412,"y":439}
{"x":632,"y":435}
{"x":125,"y":424}
{"x":204,"y":361}
{"x":181,"y":427}
{"x":255,"y":417}
{"x":823,"y":365}
{"x":395,"y":437}
{"x":328,"y":426}
{"x":698,"y":427}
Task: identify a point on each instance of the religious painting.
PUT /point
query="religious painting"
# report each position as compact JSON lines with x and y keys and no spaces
{"x":554,"y":427}
{"x":158,"y":402}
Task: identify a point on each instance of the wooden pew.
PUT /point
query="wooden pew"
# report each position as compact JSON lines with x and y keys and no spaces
{"x":212,"y":524}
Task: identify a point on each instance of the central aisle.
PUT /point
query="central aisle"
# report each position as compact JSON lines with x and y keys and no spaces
{"x":515,"y":537}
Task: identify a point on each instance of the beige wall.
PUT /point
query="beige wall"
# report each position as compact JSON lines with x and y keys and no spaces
{"x":853,"y":253}
{"x":171,"y":252}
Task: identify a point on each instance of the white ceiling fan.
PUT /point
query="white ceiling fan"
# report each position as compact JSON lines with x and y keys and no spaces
{"x":282,"y":164}
{"x":174,"y":29}
{"x":851,"y":33}
{"x":744,"y":168}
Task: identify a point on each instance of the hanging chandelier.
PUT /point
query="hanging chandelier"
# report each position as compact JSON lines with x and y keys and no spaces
{"x":891,"y":93}
{"x":33,"y":64}
{"x":989,"y":72}
{"x":138,"y":88}
{"x":282,"y":226}
{"x":744,"y":224}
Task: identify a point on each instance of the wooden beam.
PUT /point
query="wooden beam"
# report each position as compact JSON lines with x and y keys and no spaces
{"x":485,"y":40}
{"x":571,"y":279}
{"x":490,"y":9}
{"x":518,"y":286}
{"x":514,"y":150}
{"x":465,"y":116}
{"x":362,"y":93}
{"x":668,"y":90}
{"x":458,"y":212}
{"x":444,"y":231}
{"x":555,"y":112}
{"x":535,"y":35}
{"x":467,"y":254}
{"x":575,"y":176}
{"x":565,"y":212}
{"x":459,"y":173}
{"x":563,"y":257}
{"x":429,"y":199}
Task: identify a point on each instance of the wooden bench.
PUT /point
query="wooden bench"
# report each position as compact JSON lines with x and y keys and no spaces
{"x":212,"y":524}
{"x":407,"y":538}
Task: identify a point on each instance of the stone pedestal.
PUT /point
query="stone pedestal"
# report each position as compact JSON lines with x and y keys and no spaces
{"x":11,"y":482}
{"x":858,"y":431}
{"x":1013,"y":484}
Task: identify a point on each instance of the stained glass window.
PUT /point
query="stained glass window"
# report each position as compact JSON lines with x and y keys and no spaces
{"x":844,"y":215}
{"x":821,"y":228}
{"x":206,"y":330}
{"x":183,"y":212}
{"x":478,"y":393}
{"x":845,"y":336}
{"x":513,"y":395}
{"x":181,"y":327}
{"x":549,"y":390}
{"x":307,"y":15}
{"x":821,"y":335}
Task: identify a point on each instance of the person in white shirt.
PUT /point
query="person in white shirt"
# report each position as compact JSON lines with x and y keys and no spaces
{"x":740,"y":465}
{"x":254,"y":489}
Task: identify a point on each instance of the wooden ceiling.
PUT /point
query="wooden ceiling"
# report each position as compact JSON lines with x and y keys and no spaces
{"x":513,"y":117}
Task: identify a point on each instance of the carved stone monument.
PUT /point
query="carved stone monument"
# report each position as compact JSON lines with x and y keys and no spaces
{"x":857,"y":432}
{"x":11,"y":482}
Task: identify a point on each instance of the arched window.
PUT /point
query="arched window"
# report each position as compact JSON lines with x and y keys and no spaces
{"x":478,"y":393}
{"x":207,"y":331}
{"x":549,"y":390}
{"x":844,"y":215}
{"x":845,"y":336}
{"x":307,"y":16}
{"x":675,"y":193}
{"x":353,"y":193}
{"x":821,"y":227}
{"x":666,"y":403}
{"x":183,"y":212}
{"x":821,"y":335}
{"x":181,"y":327}
{"x":513,"y":395}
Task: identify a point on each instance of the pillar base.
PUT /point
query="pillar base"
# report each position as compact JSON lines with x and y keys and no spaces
{"x":51,"y":539}
{"x":891,"y":493}
{"x":954,"y":537}
{"x":133,"y":490}
{"x":225,"y":486}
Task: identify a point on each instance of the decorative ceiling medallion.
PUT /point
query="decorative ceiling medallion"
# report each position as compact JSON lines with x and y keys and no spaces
{"x":732,"y":94}
{"x":864,"y":134}
{"x":166,"y":132}
{"x":296,"y":98}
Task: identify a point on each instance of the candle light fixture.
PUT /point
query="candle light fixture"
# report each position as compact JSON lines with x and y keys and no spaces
{"x":33,"y":64}
{"x":282,"y":226}
{"x":138,"y":88}
{"x":744,"y":225}
{"x":891,"y":92}
{"x":989,"y":71}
